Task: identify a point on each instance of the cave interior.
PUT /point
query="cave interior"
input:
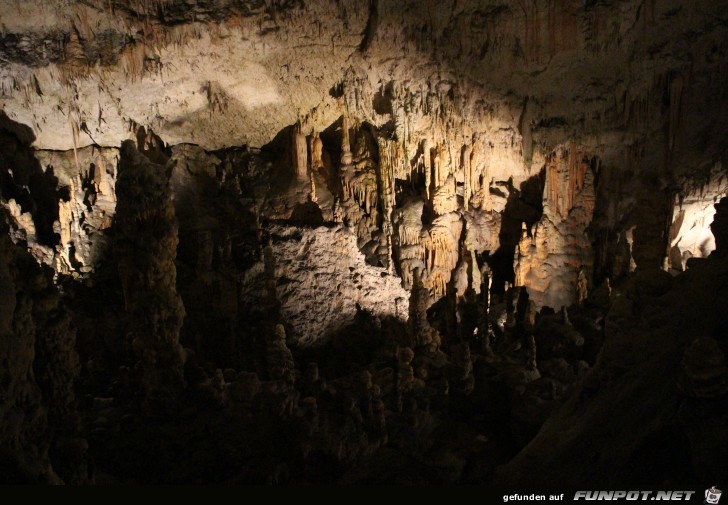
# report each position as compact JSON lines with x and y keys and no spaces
{"x":363,"y":242}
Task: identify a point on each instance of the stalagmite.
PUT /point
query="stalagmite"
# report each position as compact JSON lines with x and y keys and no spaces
{"x":386,"y":195}
{"x":427,"y":161}
{"x":279,"y":359}
{"x":312,"y":196}
{"x":421,"y":333}
{"x":147,"y":247}
{"x":337,"y":215}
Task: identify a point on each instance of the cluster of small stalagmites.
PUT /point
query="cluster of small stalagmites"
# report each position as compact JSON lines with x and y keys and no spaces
{"x":343,"y":418}
{"x":551,"y":256}
{"x":548,"y":352}
{"x":359,"y":426}
{"x":40,"y":366}
{"x":146,"y":243}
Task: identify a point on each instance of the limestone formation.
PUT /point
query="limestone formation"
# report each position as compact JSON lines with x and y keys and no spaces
{"x":704,"y":373}
{"x":279,"y":358}
{"x":146,"y":243}
{"x":363,"y":242}
{"x":39,"y":373}
{"x":299,"y":150}
{"x":420,"y":331}
{"x":316,"y":148}
{"x":552,"y":255}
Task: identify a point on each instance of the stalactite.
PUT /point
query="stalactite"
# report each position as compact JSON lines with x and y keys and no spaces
{"x":316,"y":147}
{"x":565,"y":173}
{"x":676,"y":92}
{"x":467,"y":174}
{"x":312,"y":195}
{"x":437,"y":163}
{"x":427,"y":158}
{"x":346,"y":156}
{"x":300,"y":154}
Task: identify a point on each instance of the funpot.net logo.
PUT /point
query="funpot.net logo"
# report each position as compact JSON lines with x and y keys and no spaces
{"x":634,"y":495}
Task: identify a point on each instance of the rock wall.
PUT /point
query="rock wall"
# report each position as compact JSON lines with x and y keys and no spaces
{"x":692,"y":214}
{"x":322,"y":281}
{"x":39,"y":424}
{"x":309,"y":176}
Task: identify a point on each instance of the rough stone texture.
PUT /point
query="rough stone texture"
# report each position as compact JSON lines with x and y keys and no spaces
{"x":301,"y":166}
{"x":322,"y":281}
{"x":38,"y":371}
{"x":649,"y":336}
{"x":552,"y":256}
{"x":690,"y":235}
{"x":146,"y":245}
{"x":468,"y":103}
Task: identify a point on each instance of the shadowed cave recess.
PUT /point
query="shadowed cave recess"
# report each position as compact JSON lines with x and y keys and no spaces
{"x":363,"y":242}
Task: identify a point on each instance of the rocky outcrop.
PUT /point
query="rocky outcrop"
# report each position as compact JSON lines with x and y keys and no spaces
{"x":321,"y":280}
{"x":553,"y":259}
{"x":690,"y":235}
{"x":650,"y":335}
{"x":39,"y":423}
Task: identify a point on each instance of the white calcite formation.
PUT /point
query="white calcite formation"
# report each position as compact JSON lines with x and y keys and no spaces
{"x":690,"y":235}
{"x":321,"y":281}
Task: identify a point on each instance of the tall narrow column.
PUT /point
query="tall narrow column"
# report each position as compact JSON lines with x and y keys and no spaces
{"x":147,"y":247}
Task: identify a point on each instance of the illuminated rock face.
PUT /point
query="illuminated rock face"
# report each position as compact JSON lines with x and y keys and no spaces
{"x":690,"y":233}
{"x":455,"y":111}
{"x":322,"y":281}
{"x":554,"y":257}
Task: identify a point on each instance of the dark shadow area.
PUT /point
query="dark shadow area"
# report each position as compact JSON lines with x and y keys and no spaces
{"x":524,"y":205}
{"x":382,"y":101}
{"x":307,"y":214}
{"x":23,"y":179}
